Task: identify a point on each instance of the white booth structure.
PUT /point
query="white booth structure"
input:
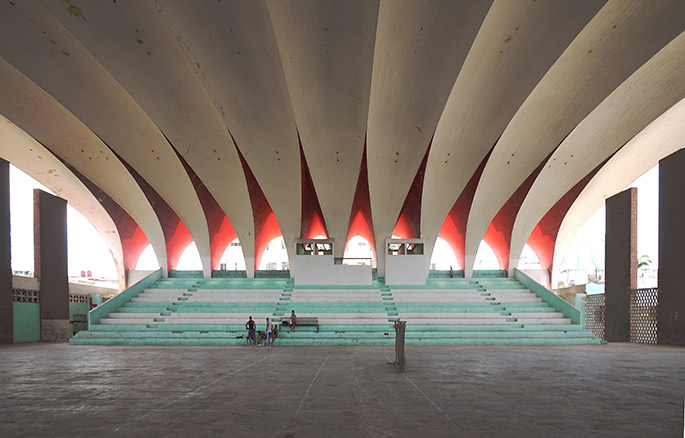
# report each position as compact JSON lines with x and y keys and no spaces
{"x":405,"y":262}
{"x":314,"y":264}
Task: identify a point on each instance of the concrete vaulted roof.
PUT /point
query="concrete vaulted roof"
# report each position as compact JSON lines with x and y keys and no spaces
{"x":207,"y":121}
{"x":26,"y":153}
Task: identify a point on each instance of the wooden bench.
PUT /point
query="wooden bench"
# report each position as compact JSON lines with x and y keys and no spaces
{"x":303,"y":320}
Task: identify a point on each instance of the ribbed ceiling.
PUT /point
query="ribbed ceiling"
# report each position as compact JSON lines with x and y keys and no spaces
{"x":136,"y":101}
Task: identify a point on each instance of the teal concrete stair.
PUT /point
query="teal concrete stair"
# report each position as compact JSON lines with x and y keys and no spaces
{"x":446,"y":311}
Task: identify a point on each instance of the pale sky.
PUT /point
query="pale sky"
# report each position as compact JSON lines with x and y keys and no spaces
{"x":587,"y":249}
{"x":87,"y":250}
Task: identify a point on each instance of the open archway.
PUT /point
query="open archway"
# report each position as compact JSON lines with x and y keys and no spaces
{"x":275,"y":256}
{"x":443,"y":257}
{"x":190,"y":259}
{"x":528,"y":259}
{"x":358,"y":252}
{"x":583,"y":261}
{"x":485,"y":258}
{"x":233,"y":259}
{"x":147,"y":260}
{"x":87,"y":253}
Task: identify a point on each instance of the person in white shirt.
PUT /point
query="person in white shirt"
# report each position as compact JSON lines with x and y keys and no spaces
{"x":268,"y":332}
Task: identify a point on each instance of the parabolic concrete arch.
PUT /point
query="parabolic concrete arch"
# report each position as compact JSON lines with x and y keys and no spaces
{"x":413,"y":73}
{"x":503,"y":66}
{"x":659,"y":139}
{"x":616,"y":42}
{"x":123,"y":40}
{"x":327,"y":54}
{"x":53,"y":126}
{"x":305,"y":118}
{"x":233,"y":49}
{"x":644,"y":96}
{"x":17,"y":147}
{"x":69,"y":73}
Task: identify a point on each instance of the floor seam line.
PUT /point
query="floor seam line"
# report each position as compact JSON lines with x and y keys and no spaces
{"x":306,"y":394}
{"x":159,"y":409}
{"x":435,"y":405}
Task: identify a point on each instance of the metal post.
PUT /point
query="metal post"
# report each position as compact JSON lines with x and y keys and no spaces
{"x":400,"y":359}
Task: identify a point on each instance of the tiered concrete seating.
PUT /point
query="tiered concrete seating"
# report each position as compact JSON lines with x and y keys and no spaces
{"x":481,"y":311}
{"x":196,"y":311}
{"x":340,"y":306}
{"x":491,"y":310}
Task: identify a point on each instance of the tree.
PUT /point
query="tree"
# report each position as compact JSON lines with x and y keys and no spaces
{"x":643,"y":262}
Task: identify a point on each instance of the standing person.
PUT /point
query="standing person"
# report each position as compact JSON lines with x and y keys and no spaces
{"x":250,"y":326}
{"x":293,"y":321}
{"x":268,"y":332}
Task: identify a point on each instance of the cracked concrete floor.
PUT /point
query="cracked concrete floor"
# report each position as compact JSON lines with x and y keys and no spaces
{"x":621,"y":390}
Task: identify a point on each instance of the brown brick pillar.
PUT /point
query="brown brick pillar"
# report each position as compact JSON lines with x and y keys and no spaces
{"x":6,"y":311}
{"x":50,"y":258}
{"x":671,"y":308}
{"x":620,"y":262}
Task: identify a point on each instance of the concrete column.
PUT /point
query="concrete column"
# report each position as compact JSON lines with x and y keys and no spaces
{"x":6,"y":306}
{"x":50,"y":259}
{"x":671,"y":309}
{"x":620,"y":262}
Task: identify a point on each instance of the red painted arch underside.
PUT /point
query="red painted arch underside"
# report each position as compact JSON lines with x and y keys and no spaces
{"x":133,"y":239}
{"x":221,"y":231}
{"x":176,"y":234}
{"x":543,"y":238}
{"x":498,"y":234}
{"x":312,"y":222}
{"x":453,"y":230}
{"x":266,"y":226}
{"x":361,"y":223}
{"x":408,"y":225}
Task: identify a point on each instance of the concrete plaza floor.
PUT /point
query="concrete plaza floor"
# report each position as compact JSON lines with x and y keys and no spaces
{"x":619,"y":390}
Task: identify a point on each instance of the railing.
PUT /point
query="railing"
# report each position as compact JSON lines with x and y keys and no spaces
{"x":547,"y":296}
{"x":112,"y":304}
{"x":643,"y":315}
{"x":595,"y":311}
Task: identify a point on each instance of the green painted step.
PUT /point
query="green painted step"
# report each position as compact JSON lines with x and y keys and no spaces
{"x":233,"y":334}
{"x":342,"y":341}
{"x":417,"y":334}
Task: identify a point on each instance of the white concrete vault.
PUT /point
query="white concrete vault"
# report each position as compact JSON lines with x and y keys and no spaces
{"x":233,"y":49}
{"x":28,"y":155}
{"x":45,"y":120}
{"x":139,"y":50}
{"x":327,"y":51}
{"x":504,"y":64}
{"x":108,"y":84}
{"x":70,"y":73}
{"x":616,"y":42}
{"x":659,"y":139}
{"x":420,"y":49}
{"x":643,"y":97}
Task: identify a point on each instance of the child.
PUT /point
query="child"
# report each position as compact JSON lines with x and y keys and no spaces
{"x":293,"y":321}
